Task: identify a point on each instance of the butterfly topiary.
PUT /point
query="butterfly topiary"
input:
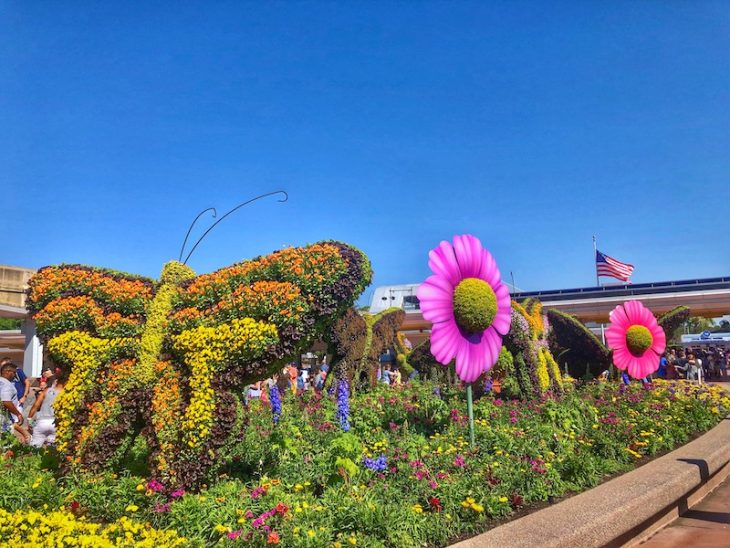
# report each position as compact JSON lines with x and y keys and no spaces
{"x":358,"y":340}
{"x":165,"y":361}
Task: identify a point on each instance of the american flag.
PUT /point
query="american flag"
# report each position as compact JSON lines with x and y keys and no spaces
{"x":608,"y":266}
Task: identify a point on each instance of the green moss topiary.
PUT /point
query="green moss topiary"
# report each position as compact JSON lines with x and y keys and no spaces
{"x":475,"y":305}
{"x":638,"y":339}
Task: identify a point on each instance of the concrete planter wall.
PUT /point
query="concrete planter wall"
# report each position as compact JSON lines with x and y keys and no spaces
{"x":627,"y":509}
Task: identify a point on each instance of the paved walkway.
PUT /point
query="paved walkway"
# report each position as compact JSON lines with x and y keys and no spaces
{"x":707,"y":524}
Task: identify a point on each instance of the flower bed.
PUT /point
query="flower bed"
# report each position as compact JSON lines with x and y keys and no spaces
{"x":402,"y":475}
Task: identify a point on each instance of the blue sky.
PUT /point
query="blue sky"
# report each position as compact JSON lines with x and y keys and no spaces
{"x":392,"y":126}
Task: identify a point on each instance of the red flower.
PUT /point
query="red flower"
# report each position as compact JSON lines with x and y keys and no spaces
{"x":273,"y":538}
{"x":517,"y":500}
{"x":75,"y":506}
{"x":282,"y":508}
{"x":435,"y":503}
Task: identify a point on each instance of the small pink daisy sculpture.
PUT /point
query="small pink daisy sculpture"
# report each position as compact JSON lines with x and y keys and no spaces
{"x":636,"y":338}
{"x":468,"y":305}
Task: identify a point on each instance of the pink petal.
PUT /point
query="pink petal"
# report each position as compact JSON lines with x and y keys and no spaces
{"x":436,"y":296}
{"x":644,"y":365}
{"x":463,"y":252}
{"x":635,"y":368}
{"x":493,"y":343}
{"x":472,"y":360}
{"x":621,"y":358}
{"x":502,"y":321}
{"x":489,"y":271}
{"x":461,"y":360}
{"x":619,"y":318}
{"x":502,"y":293}
{"x":634,"y":312}
{"x":445,"y":341}
{"x":647,"y":318}
{"x":442,"y":262}
{"x":660,"y":341}
{"x":616,"y":337}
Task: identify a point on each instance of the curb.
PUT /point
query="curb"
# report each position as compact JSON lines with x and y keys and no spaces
{"x":627,"y":509}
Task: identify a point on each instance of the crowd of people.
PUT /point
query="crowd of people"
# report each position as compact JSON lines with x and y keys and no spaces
{"x":304,"y":378}
{"x":696,"y":364}
{"x":27,"y":406}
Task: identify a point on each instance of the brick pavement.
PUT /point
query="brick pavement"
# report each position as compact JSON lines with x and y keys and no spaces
{"x":706,"y":524}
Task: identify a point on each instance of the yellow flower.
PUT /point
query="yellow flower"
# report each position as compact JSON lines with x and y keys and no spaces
{"x":477,"y":508}
{"x":352,"y":540}
{"x":311,"y":533}
{"x":131,"y":508}
{"x":140,"y":487}
{"x":503,"y":499}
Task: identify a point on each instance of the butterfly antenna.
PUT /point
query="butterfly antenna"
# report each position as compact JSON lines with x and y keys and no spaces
{"x":285,"y":197}
{"x":190,"y":229}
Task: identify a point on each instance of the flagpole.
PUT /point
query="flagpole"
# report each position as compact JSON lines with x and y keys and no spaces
{"x":598,"y":284}
{"x":595,"y":265}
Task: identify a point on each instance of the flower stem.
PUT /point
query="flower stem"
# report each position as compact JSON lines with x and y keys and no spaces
{"x":470,"y":411}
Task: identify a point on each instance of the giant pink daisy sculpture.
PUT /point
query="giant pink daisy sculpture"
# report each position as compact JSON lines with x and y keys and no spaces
{"x":636,"y":338}
{"x":468,"y":305}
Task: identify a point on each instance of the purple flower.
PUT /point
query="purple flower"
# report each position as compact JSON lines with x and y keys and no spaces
{"x":376,"y":465}
{"x":343,"y":405}
{"x":275,"y":398}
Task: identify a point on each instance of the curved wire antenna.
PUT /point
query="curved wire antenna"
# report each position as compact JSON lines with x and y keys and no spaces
{"x":239,"y":206}
{"x":190,"y":229}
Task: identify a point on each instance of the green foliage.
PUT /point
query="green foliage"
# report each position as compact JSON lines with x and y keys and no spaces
{"x":7,"y":324}
{"x":576,"y":345}
{"x":312,"y":483}
{"x":672,"y":321}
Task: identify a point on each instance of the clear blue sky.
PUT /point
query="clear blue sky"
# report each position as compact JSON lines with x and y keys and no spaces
{"x":392,"y":126}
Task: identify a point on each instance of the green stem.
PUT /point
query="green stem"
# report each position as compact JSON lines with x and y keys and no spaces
{"x":470,"y":411}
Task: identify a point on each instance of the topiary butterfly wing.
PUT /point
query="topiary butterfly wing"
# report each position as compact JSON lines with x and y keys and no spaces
{"x":101,"y":302}
{"x":256,"y":314}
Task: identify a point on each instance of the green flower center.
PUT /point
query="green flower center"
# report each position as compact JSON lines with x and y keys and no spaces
{"x":638,"y":339}
{"x":475,"y":305}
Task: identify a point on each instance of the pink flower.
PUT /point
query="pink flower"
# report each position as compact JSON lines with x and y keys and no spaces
{"x":459,"y":461}
{"x":468,"y":305}
{"x":636,"y":338}
{"x":233,"y":535}
{"x":155,"y":486}
{"x":177,"y":493}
